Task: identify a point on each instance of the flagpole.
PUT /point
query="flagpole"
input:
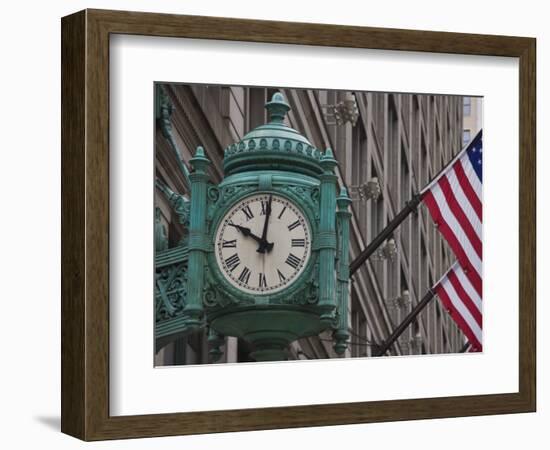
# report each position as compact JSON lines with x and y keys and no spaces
{"x":386,"y":233}
{"x":464,"y":348}
{"x":412,"y":315}
{"x":385,"y":346}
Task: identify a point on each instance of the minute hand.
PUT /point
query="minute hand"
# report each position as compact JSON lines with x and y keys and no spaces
{"x":264,"y":245}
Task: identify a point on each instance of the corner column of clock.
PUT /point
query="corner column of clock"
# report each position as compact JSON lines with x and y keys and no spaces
{"x":198,"y":242}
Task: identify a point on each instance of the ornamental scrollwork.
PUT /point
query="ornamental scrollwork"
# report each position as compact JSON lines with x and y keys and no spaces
{"x":315,"y":194}
{"x":229,"y":192}
{"x":213,"y":194}
{"x":306,"y":296}
{"x":180,"y":205}
{"x":216,"y":298}
{"x":308,"y":195}
{"x":170,"y":291}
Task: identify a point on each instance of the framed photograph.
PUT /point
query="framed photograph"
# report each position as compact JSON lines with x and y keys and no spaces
{"x":272,"y":225}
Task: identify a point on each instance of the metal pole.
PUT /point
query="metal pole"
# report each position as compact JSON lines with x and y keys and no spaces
{"x":464,"y":348}
{"x":386,"y":232}
{"x":403,"y":325}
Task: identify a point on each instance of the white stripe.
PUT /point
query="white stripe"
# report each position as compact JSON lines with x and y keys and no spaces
{"x":472,"y":175}
{"x":461,"y":308}
{"x":464,"y":203}
{"x":467,"y":286}
{"x":457,"y":230}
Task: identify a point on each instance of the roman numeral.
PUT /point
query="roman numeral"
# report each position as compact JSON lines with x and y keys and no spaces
{"x":245,"y":275}
{"x":247,"y":212}
{"x":232,"y":262}
{"x":293,"y":225}
{"x":293,"y":261}
{"x":230,"y":244}
{"x":262,"y":281}
{"x":282,"y":278}
{"x":282,"y":212}
{"x":298,"y":242}
{"x":263,"y":212}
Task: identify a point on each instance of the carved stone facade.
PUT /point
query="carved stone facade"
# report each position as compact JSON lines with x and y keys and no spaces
{"x":393,"y":147}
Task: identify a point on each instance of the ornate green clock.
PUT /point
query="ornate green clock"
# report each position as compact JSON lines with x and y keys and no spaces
{"x":268,"y":247}
{"x":263,"y":244}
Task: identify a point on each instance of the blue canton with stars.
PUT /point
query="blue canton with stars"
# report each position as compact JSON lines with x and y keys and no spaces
{"x":475,"y":153}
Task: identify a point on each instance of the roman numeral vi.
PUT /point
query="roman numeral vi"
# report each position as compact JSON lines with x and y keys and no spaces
{"x":245,"y":275}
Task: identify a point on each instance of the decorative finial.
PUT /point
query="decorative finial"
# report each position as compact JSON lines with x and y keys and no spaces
{"x":327,"y":161}
{"x":343,"y":192}
{"x":277,"y":108}
{"x":199,"y":162}
{"x":343,"y":199}
{"x":199,"y":152}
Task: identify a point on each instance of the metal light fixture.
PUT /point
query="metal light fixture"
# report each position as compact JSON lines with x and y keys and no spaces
{"x":404,"y":344}
{"x":416,"y":343}
{"x":386,"y":252}
{"x":344,"y":111}
{"x":369,"y":190}
{"x":404,"y":300}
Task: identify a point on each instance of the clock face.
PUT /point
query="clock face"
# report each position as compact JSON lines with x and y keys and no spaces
{"x":263,"y":244}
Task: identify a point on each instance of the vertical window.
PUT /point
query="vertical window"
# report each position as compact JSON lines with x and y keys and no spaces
{"x":359,"y":167}
{"x":423,"y":267}
{"x":424,"y":172}
{"x":377,"y":209}
{"x":405,"y":197}
{"x":467,"y":106}
{"x":393,"y":143}
{"x":466,"y":136}
{"x":405,"y":176}
{"x":256,"y":110}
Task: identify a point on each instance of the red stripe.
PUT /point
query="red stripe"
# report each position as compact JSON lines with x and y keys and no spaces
{"x":461,"y":218}
{"x":468,"y":189}
{"x":448,"y":234}
{"x":465,"y":298}
{"x":455,"y":315}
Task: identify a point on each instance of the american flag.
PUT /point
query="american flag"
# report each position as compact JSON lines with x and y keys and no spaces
{"x":462,"y":302}
{"x":454,"y":201}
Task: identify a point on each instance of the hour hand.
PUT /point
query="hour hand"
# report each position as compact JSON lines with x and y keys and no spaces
{"x":246,"y":231}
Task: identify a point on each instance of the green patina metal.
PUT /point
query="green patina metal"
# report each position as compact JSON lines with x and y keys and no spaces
{"x":192,"y":293}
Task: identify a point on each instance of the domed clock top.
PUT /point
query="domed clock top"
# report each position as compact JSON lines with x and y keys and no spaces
{"x":273,"y":146}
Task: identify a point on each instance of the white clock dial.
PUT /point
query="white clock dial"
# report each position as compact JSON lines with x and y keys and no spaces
{"x":257,"y":261}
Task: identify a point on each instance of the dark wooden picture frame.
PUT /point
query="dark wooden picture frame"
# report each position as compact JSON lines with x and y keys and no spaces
{"x":85,"y":224}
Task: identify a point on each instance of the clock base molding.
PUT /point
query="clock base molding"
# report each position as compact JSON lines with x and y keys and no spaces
{"x":270,"y":329}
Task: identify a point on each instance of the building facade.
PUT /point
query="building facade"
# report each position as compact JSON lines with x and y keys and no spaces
{"x":389,"y":149}
{"x":472,"y":118}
